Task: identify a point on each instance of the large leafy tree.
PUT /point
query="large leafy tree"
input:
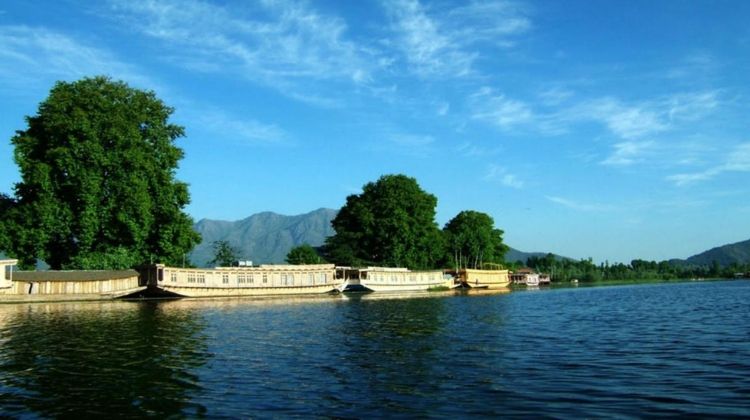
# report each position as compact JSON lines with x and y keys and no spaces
{"x":303,"y":254}
{"x":472,"y":240}
{"x":391,"y":223}
{"x":224,"y":254}
{"x":98,"y":185}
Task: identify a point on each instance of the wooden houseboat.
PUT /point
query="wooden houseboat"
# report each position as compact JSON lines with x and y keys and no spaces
{"x":482,"y":279}
{"x":527,"y":276}
{"x":259,"y":280}
{"x":22,"y":286}
{"x":390,"y":279}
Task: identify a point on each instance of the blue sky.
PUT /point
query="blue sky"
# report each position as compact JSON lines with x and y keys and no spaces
{"x":605,"y":129}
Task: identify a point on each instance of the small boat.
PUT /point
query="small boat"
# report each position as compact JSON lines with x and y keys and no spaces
{"x":532,"y":279}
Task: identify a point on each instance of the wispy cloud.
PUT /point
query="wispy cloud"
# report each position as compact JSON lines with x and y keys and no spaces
{"x":34,"y":55}
{"x":578,"y":205}
{"x":242,"y":130}
{"x":496,"y":173}
{"x":625,"y":121}
{"x":628,"y":153}
{"x":277,"y":43}
{"x":738,"y":160}
{"x":469,"y":149}
{"x":439,"y":42}
{"x":497,"y":109}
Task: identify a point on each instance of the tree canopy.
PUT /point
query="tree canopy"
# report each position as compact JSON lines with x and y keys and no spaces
{"x":472,"y":240}
{"x":224,"y":254}
{"x":303,"y":254}
{"x":391,"y":223}
{"x":98,"y":188}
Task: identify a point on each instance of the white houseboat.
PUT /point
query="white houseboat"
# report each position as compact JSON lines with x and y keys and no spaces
{"x":259,"y":280}
{"x":391,"y":279}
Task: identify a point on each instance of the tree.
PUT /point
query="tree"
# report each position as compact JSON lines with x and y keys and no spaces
{"x":303,"y":254}
{"x":472,"y":240}
{"x":98,"y":185}
{"x":391,"y":223}
{"x":224,"y":254}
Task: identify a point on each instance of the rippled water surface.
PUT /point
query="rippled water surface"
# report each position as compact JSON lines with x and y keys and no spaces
{"x":627,"y":351}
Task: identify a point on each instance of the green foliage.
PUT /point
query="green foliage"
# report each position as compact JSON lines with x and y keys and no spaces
{"x":563,"y":269}
{"x":224,"y":254}
{"x":472,"y":241}
{"x":98,"y":185}
{"x":303,"y":254}
{"x":391,"y":223}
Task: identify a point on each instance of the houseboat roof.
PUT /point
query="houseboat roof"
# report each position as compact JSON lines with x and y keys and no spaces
{"x":73,"y":275}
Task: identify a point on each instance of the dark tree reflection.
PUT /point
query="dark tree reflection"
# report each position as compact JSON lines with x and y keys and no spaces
{"x":115,"y":359}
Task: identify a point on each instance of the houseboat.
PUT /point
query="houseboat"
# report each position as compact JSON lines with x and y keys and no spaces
{"x":262,"y":280}
{"x":482,"y":279}
{"x":390,"y":279}
{"x":526,"y":276}
{"x":22,"y":286}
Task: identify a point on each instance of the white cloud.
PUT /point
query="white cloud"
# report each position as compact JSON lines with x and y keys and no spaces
{"x":628,"y":153}
{"x":500,"y":174}
{"x":555,"y":96}
{"x":577,"y":205}
{"x":277,"y":43}
{"x":243,"y":130}
{"x":738,"y":160}
{"x":34,"y":55}
{"x":440,"y":43}
{"x":498,"y":109}
{"x":426,"y":47}
{"x":625,"y":121}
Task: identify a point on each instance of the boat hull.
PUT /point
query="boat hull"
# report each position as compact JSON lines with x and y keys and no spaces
{"x":184,"y":291}
{"x":401,"y":287}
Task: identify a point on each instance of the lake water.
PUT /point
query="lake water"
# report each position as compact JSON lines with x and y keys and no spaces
{"x":626,"y":351}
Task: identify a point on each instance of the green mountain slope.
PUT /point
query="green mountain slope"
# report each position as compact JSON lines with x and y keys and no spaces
{"x":737,"y":253}
{"x":264,"y":237}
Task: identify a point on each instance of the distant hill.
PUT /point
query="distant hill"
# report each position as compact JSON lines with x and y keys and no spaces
{"x":726,"y":255}
{"x":514,"y":255}
{"x":264,"y":237}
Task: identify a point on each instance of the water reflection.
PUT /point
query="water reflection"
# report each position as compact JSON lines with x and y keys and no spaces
{"x":128,"y":359}
{"x":388,"y":351}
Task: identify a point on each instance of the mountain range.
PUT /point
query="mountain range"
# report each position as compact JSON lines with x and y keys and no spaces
{"x":267,"y":238}
{"x":726,"y":255}
{"x":264,"y":237}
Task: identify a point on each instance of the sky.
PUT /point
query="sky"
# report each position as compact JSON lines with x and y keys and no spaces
{"x":610,"y":130}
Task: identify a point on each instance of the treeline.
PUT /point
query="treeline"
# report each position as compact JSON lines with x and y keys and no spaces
{"x":563,"y":269}
{"x":392,"y":224}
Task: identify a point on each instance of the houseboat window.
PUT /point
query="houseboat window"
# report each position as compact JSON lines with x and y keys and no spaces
{"x":225,"y":278}
{"x":291,"y":279}
{"x":283,"y":279}
{"x":201,"y":278}
{"x":173,"y":277}
{"x":191,"y":277}
{"x":310,"y":278}
{"x":240,"y":278}
{"x":250,"y":278}
{"x":265,"y":278}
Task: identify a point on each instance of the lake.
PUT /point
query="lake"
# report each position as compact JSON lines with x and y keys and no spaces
{"x":678,"y":349}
